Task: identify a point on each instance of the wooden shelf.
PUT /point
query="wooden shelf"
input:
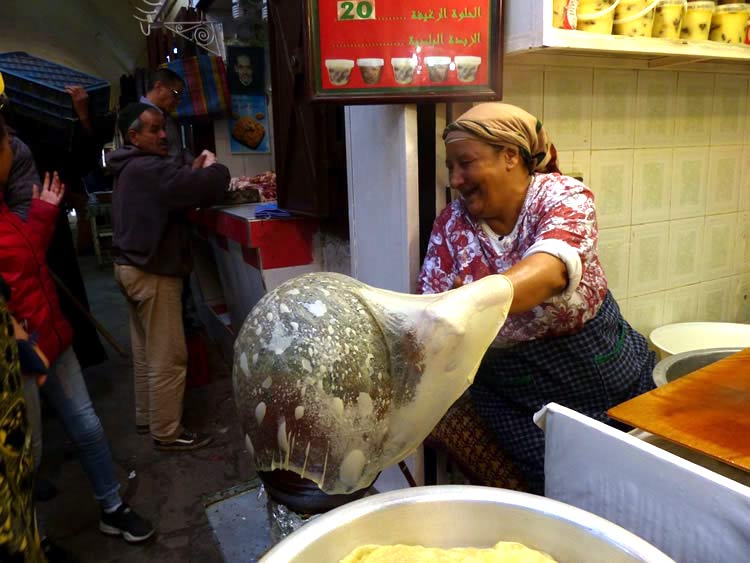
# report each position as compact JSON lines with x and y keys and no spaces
{"x":530,"y":39}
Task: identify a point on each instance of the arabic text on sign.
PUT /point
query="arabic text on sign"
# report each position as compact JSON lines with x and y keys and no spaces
{"x":350,"y":10}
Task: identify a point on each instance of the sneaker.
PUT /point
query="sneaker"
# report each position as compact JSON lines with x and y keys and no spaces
{"x":186,"y":441}
{"x":126,"y":523}
{"x":142,"y":429}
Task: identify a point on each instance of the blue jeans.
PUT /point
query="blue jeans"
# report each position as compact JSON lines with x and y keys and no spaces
{"x":66,"y":391}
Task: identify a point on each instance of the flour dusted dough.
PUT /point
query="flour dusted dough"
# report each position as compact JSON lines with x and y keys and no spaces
{"x":502,"y":552}
{"x":349,"y":379}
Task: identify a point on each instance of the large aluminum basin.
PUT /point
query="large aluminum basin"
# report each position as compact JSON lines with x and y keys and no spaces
{"x":461,"y":515}
{"x":684,"y":337}
{"x":672,"y":367}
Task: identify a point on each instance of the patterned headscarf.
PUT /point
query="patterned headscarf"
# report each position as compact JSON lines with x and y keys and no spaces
{"x":501,"y":124}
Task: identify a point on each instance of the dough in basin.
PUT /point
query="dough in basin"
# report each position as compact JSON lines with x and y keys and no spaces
{"x":502,"y":552}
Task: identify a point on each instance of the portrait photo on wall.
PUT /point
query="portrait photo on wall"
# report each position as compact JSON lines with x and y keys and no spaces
{"x":246,"y":70}
{"x":248,"y":126}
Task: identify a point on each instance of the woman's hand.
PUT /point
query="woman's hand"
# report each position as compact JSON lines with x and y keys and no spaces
{"x":52,"y":191}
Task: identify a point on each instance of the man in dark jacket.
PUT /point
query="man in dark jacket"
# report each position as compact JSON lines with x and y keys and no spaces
{"x":151,"y":197}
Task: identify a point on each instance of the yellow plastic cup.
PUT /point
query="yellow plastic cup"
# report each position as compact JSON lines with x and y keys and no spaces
{"x":697,"y":21}
{"x":729,"y":22}
{"x":635,"y":18}
{"x":596,"y":16}
{"x":668,"y":18}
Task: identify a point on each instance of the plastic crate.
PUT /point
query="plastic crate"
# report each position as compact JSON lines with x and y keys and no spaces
{"x":38,"y":84}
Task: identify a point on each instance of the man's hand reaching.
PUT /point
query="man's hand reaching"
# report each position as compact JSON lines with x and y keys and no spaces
{"x":52,"y":190}
{"x":204,"y":160}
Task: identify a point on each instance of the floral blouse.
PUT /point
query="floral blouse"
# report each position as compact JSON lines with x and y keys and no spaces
{"x":558,"y":217}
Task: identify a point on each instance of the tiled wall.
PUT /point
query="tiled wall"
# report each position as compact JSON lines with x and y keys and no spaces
{"x":667,"y":155}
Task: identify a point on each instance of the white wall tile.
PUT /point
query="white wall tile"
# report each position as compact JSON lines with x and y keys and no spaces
{"x":567,"y":106}
{"x":523,"y":86}
{"x":718,"y":246}
{"x":685,"y":251}
{"x":681,"y":304}
{"x":693,"y":108}
{"x":652,"y":185}
{"x":714,"y":300}
{"x":614,"y":103}
{"x":741,"y":299}
{"x":582,"y":164}
{"x":745,"y":178}
{"x":742,"y":248}
{"x":614,"y":256}
{"x":649,"y":249}
{"x":655,"y":109}
{"x":646,"y":313}
{"x":724,"y":171}
{"x":624,"y":305}
{"x":689,"y":182}
{"x":730,"y":104}
{"x":612,"y":184}
{"x":565,"y":161}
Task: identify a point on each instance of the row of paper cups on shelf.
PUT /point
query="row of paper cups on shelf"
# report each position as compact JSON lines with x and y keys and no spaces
{"x":404,"y":69}
{"x":670,"y":19}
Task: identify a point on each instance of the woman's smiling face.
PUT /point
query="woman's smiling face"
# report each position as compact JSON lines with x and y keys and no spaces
{"x":476,"y":170}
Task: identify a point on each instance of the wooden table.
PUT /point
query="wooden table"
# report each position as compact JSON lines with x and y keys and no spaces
{"x":707,"y":410}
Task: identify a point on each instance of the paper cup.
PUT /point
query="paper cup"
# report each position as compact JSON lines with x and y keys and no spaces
{"x":437,"y":68}
{"x":467,"y":68}
{"x":370,"y":69}
{"x":403,"y":69}
{"x":339,"y":71}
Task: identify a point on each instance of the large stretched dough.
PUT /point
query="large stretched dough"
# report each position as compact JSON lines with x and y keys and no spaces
{"x":336,"y":380}
{"x":502,"y":552}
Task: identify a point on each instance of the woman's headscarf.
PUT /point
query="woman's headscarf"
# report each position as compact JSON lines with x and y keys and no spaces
{"x":501,"y":124}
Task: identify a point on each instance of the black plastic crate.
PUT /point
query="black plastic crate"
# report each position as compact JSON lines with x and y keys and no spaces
{"x":38,"y":84}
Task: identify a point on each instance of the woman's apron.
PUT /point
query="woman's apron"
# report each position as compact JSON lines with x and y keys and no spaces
{"x":604,"y":364}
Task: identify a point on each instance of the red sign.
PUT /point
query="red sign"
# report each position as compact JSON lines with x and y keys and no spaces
{"x":404,"y":47}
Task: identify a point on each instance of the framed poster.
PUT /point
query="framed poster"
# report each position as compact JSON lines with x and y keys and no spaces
{"x":376,"y":51}
{"x":248,"y":126}
{"x":246,"y":70}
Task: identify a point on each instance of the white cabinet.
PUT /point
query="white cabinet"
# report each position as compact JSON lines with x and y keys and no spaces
{"x":530,"y":38}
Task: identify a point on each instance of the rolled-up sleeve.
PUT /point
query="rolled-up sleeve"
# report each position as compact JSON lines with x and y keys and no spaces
{"x":567,"y":230}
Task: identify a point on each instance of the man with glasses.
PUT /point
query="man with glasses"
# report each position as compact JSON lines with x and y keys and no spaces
{"x":164,"y":93}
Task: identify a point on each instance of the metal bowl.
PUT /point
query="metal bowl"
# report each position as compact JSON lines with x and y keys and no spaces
{"x":672,"y":367}
{"x":461,"y":515}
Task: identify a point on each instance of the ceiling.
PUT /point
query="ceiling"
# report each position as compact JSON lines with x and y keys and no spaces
{"x":100,"y":38}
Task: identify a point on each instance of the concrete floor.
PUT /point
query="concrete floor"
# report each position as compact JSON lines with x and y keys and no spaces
{"x":169,"y":489}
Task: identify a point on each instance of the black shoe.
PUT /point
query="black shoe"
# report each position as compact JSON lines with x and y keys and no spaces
{"x":186,"y":441}
{"x":126,"y":523}
{"x":142,"y":429}
{"x":56,"y":554}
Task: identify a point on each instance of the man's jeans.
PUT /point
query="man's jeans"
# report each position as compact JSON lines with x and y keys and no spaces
{"x":66,"y":391}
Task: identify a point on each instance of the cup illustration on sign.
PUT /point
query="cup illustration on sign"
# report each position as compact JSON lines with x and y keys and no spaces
{"x":437,"y":68}
{"x":370,"y":69}
{"x":403,"y":69}
{"x":467,"y":68}
{"x":339,"y":71}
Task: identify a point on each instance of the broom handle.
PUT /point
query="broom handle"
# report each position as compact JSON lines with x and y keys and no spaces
{"x":99,"y":327}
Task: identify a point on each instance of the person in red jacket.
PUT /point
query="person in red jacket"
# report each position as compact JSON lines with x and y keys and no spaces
{"x":33,"y":304}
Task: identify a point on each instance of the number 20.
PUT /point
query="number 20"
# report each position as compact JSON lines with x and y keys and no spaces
{"x":358,"y":11}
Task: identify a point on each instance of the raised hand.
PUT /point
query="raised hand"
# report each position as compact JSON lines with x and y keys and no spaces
{"x":80,"y":100}
{"x":52,"y":190}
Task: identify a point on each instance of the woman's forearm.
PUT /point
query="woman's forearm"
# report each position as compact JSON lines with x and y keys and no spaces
{"x":535,"y":279}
